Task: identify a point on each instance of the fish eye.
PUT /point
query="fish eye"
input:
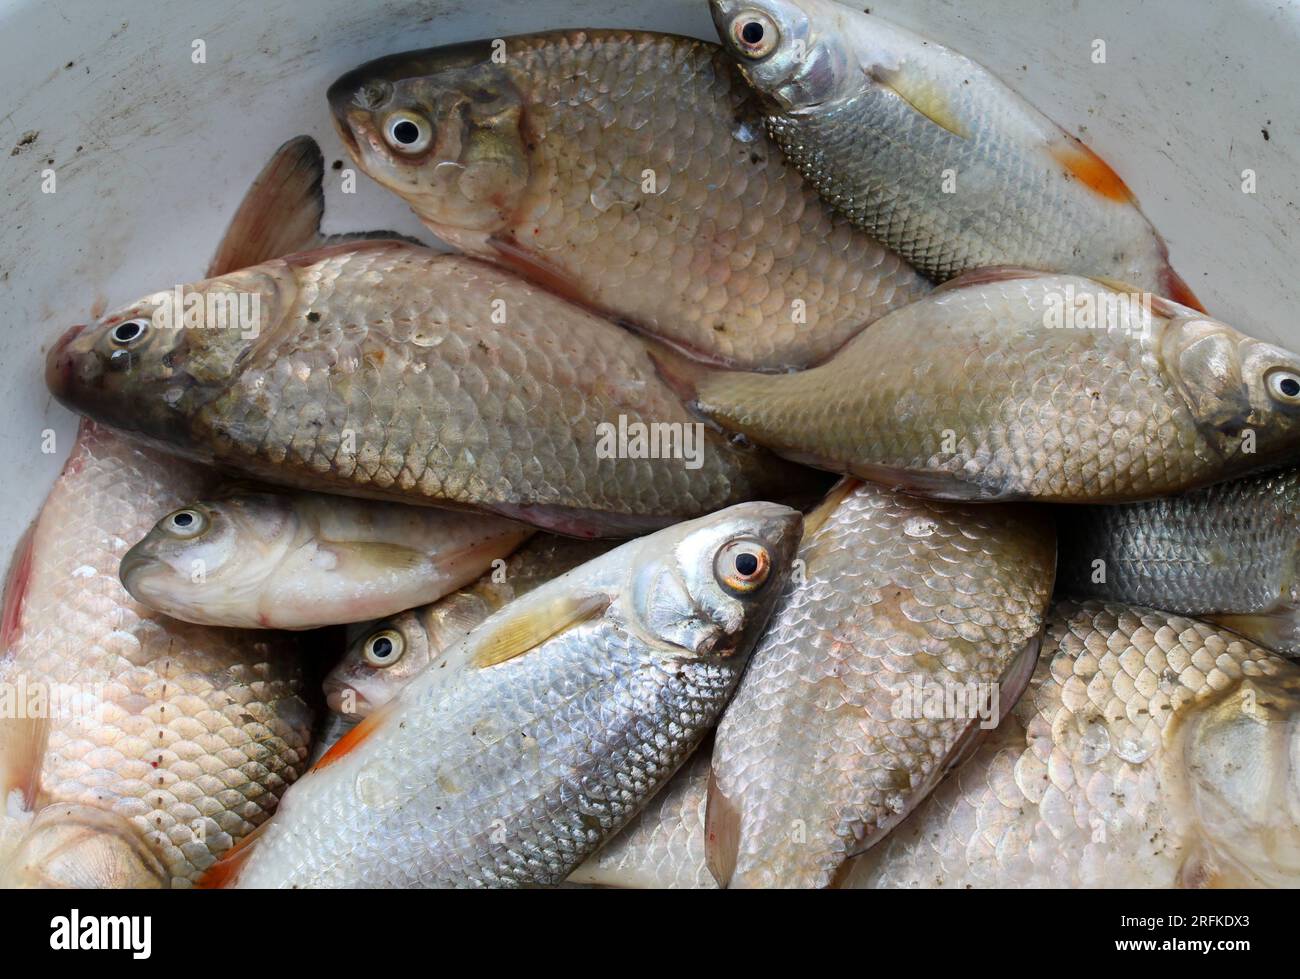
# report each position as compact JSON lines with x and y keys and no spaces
{"x":755,"y":34}
{"x":407,"y":132}
{"x":384,"y":648}
{"x":185,"y":524}
{"x":742,"y":566}
{"x":1284,"y":386}
{"x":127,"y":333}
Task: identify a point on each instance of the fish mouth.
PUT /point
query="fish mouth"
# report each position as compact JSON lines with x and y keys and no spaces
{"x":59,"y":364}
{"x":334,"y":694}
{"x":130,"y":570}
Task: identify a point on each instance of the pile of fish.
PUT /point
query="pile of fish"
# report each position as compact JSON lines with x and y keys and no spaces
{"x":611,"y":620}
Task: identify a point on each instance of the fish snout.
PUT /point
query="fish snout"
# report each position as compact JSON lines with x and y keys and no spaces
{"x":60,"y":363}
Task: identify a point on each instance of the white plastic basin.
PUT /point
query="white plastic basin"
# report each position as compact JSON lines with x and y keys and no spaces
{"x":152,"y":152}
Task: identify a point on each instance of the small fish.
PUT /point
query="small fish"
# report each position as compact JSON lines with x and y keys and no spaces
{"x":1008,"y":384}
{"x":628,"y":171}
{"x":911,"y":629}
{"x":513,"y":757}
{"x":268,"y":560}
{"x":1150,"y":750}
{"x":385,"y":656}
{"x":928,"y":151}
{"x":663,"y":846}
{"x":1229,"y":553}
{"x":134,"y":749}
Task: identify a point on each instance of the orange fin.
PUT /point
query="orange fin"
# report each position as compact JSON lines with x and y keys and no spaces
{"x":356,"y":737}
{"x":1174,"y":287}
{"x":1091,"y":170}
{"x":280,"y":214}
{"x":225,"y":871}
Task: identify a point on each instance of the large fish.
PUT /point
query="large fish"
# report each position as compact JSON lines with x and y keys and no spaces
{"x":1229,"y":552}
{"x":1019,"y":385}
{"x":1149,"y":751}
{"x":931,"y":153}
{"x":386,"y":370}
{"x":265,"y":560}
{"x":385,"y":656}
{"x":134,"y":749}
{"x":909,"y":629}
{"x":512,"y":758}
{"x":629,"y":171}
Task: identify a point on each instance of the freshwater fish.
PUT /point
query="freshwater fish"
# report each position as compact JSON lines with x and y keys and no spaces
{"x":1229,"y":553}
{"x":663,"y":846}
{"x":911,"y":628}
{"x":264,"y":560}
{"x":385,"y":370}
{"x":931,"y":153}
{"x":387,"y":655}
{"x":1150,"y":750}
{"x":630,"y":172}
{"x":510,"y":759}
{"x":134,"y":749}
{"x":1009,"y":384}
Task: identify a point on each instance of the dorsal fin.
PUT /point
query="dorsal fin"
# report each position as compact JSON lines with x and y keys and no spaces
{"x":280,"y":214}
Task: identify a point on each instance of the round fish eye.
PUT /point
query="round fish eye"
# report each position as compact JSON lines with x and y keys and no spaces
{"x":127,"y":333}
{"x":185,"y":524}
{"x":384,"y":648}
{"x":407,"y":133}
{"x":755,"y":34}
{"x":1284,"y":386}
{"x":742,"y":566}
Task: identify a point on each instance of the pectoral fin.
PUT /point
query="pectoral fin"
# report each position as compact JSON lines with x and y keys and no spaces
{"x":923,"y":95}
{"x":516,"y":634}
{"x":22,"y":756}
{"x":1278,"y":630}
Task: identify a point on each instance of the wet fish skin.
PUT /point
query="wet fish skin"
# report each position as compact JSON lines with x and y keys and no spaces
{"x":663,"y":846}
{"x":539,"y":159}
{"x":492,"y":770}
{"x":975,"y":393}
{"x":1228,"y":552}
{"x":829,"y":742}
{"x":1121,"y":767}
{"x":382,"y":370}
{"x":183,"y":739}
{"x":268,"y":560}
{"x":369,"y":676}
{"x":875,"y":117}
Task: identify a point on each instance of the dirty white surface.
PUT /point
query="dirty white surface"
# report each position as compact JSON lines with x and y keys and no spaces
{"x":152,"y":152}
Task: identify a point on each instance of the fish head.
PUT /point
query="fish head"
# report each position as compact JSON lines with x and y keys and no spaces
{"x":210,"y":561}
{"x":1242,"y":755}
{"x":381,"y":661}
{"x":791,"y":51}
{"x":1243,"y":392}
{"x":73,"y":846}
{"x":141,"y":367}
{"x":443,"y":129}
{"x":711,"y":588}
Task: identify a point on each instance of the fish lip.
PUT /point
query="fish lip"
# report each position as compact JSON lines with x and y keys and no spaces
{"x":129,"y":569}
{"x":58,"y":363}
{"x":334,"y":692}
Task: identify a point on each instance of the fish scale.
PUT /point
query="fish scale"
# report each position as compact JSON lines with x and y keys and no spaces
{"x":812,"y":759}
{"x":712,"y":259}
{"x":1029,"y":409}
{"x":197,"y":733}
{"x":387,"y":370}
{"x":1227,"y":551}
{"x":512,"y":772}
{"x":1120,"y":767}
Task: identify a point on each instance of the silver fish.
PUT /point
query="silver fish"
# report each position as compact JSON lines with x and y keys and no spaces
{"x":513,"y":757}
